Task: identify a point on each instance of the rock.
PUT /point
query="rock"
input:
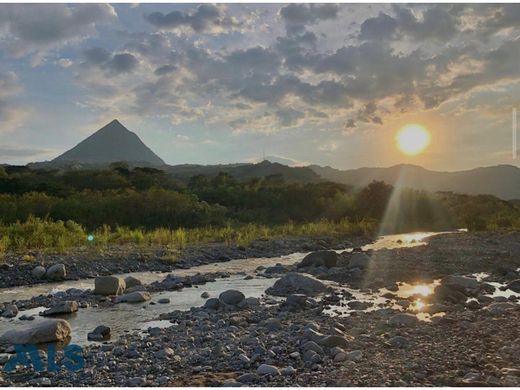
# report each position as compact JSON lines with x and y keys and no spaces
{"x":231,"y":383}
{"x":500,"y":307}
{"x":266,"y":369}
{"x":358,"y":260}
{"x":358,"y":305}
{"x":165,"y":353}
{"x":163,"y":380}
{"x":328,"y":259}
{"x":399,"y":342}
{"x":461,"y":282}
{"x":297,"y":283}
{"x":10,"y":311}
{"x":334,"y":341}
{"x":47,"y":331}
{"x":447,"y":293}
{"x":56,"y":272}
{"x":273,"y":324}
{"x":355,"y":356}
{"x":296,"y":301}
{"x":134,"y":297}
{"x":403,"y":319}
{"x":66,"y":307}
{"x":109,"y":285}
{"x":251,"y":302}
{"x":435,"y":308}
{"x":231,"y":297}
{"x":294,"y":355}
{"x":38,"y":272}
{"x":340,"y":357}
{"x":101,"y":333}
{"x":289,"y":371}
{"x":136,"y":382}
{"x":42,"y":382}
{"x":212,"y":303}
{"x":204,"y":295}
{"x":312,"y":346}
{"x":514,"y":286}
{"x":164,"y":301}
{"x":473,"y":304}
{"x":130,"y":282}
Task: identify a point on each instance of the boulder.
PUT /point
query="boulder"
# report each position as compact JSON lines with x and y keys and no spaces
{"x":38,"y":272}
{"x":101,"y":333}
{"x":134,"y":297}
{"x":10,"y":311}
{"x":358,"y":260}
{"x":212,"y":303}
{"x":56,"y":272}
{"x":460,"y":282}
{"x":130,"y":282}
{"x":109,"y":285}
{"x":66,"y":307}
{"x":334,"y":341}
{"x":293,"y":282}
{"x":447,"y":293}
{"x":231,"y":297}
{"x":403,"y":319}
{"x":328,"y":259}
{"x":266,"y":369}
{"x":47,"y":331}
{"x":514,"y":286}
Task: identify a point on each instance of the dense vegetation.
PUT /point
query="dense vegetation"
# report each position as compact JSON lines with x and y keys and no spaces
{"x":146,"y":205}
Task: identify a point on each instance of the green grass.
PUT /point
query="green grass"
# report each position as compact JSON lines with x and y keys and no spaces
{"x":57,"y":236}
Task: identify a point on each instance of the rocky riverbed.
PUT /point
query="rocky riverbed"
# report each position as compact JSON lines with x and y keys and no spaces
{"x":398,"y":317}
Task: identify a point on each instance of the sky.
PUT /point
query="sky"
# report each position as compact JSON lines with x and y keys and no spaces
{"x":329,"y":84}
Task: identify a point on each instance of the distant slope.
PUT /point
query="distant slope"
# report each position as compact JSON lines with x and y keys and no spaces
{"x":112,"y":143}
{"x":502,"y":181}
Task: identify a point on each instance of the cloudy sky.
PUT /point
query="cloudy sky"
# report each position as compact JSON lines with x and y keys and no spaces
{"x":327,"y":84}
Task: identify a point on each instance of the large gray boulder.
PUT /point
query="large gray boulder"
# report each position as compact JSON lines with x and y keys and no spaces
{"x":327,"y":259}
{"x":66,"y":307}
{"x":56,"y":272}
{"x":47,"y":331}
{"x":130,"y":282}
{"x":109,"y":285}
{"x":38,"y":272}
{"x":295,"y":283}
{"x":231,"y":297}
{"x":134,"y":297}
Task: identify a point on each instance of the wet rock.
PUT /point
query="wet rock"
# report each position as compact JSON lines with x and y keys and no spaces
{"x":266,"y":369}
{"x":403,"y":319}
{"x":38,"y":272}
{"x":10,"y":311}
{"x":25,"y":317}
{"x":66,"y":307}
{"x":358,"y":305}
{"x":204,"y":295}
{"x":327,"y":259}
{"x":231,"y":297}
{"x":56,"y":272}
{"x":514,"y":286}
{"x":447,"y":293}
{"x":296,"y":283}
{"x":134,"y":297}
{"x":130,"y":282}
{"x":48,"y":331}
{"x":473,"y":304}
{"x":164,"y":301}
{"x":100,"y":333}
{"x":109,"y":285}
{"x":212,"y":303}
{"x":461,"y":282}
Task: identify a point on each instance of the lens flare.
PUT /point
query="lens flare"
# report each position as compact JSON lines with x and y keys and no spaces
{"x":413,"y":139}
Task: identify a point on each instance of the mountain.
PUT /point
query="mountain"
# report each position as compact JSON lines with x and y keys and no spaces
{"x":502,"y":181}
{"x":112,"y":143}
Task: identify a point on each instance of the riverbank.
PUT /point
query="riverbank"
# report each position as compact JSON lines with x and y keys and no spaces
{"x":455,"y":324}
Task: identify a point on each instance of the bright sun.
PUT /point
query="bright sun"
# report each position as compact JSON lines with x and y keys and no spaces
{"x":412,"y":139}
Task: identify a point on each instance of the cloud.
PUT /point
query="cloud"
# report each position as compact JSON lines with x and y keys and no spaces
{"x":305,"y":14}
{"x":8,"y":151}
{"x":38,"y":28}
{"x":207,"y":18}
{"x":12,"y":115}
{"x":112,"y":63}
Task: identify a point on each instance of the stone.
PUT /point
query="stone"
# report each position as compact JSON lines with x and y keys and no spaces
{"x":358,"y":305}
{"x":399,"y":342}
{"x":403,"y":319}
{"x":38,"y":272}
{"x":136,"y":382}
{"x":66,"y":307}
{"x":212,"y":303}
{"x":100,"y":333}
{"x":130,"y":282}
{"x":500,"y":307}
{"x":56,"y":272}
{"x":134,"y":297}
{"x":296,"y":300}
{"x":165,"y":353}
{"x":312,"y":346}
{"x":447,"y":293}
{"x":246,"y":378}
{"x":204,"y":295}
{"x":293,"y":282}
{"x":340,"y":357}
{"x":355,"y":356}
{"x":266,"y":369}
{"x":10,"y":311}
{"x":289,"y":371}
{"x":231,"y":297}
{"x":109,"y":285}
{"x":273,"y":324}
{"x":514,"y":286}
{"x":47,"y":331}
{"x":461,"y":282}
{"x":327,"y":259}
{"x":164,"y":301}
{"x":334,"y":341}
{"x":358,"y":260}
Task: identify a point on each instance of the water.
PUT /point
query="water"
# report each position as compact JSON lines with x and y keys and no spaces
{"x":123,"y":317}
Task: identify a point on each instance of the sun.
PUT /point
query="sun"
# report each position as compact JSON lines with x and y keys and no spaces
{"x":412,"y":139}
